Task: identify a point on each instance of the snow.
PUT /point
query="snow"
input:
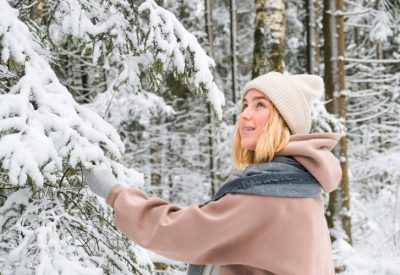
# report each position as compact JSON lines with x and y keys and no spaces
{"x":44,"y":125}
{"x":126,"y":106}
{"x":41,"y":235}
{"x":349,"y":59}
{"x":162,"y":33}
{"x":375,"y":235}
{"x":381,"y":29}
{"x":165,"y":31}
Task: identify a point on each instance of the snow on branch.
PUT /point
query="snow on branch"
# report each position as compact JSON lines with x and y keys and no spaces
{"x":381,"y":27}
{"x":125,"y":106}
{"x":177,"y":44}
{"x":360,"y":60}
{"x":143,"y":43}
{"x":48,"y":221}
{"x":63,"y":233}
{"x":42,"y":127}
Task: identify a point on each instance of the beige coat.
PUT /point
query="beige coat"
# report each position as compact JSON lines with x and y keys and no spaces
{"x":243,"y":234}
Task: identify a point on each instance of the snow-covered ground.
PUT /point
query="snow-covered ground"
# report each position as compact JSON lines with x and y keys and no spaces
{"x":375,"y":214}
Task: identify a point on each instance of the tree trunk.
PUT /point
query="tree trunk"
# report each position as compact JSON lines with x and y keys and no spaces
{"x":329,"y":53}
{"x":379,"y":56}
{"x":233,"y":52}
{"x":269,"y":37}
{"x":155,"y":160}
{"x":259,"y":53}
{"x":317,"y":38}
{"x":310,"y":19}
{"x":346,"y":219}
{"x":210,"y":36}
{"x":276,"y":19}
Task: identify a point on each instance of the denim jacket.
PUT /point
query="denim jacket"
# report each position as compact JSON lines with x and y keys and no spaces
{"x":282,"y":177}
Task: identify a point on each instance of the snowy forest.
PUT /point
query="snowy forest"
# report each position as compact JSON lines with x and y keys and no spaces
{"x":151,"y":90}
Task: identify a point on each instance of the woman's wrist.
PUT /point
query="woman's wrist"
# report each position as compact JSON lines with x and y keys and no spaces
{"x":113,"y":194}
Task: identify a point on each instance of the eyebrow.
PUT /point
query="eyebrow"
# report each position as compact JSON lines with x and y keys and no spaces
{"x":257,"y":98}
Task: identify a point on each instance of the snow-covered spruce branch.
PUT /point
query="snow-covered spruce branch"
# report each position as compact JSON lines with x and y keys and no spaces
{"x":370,"y":117}
{"x":126,"y":106}
{"x":322,"y":121}
{"x":380,"y":107}
{"x":358,"y":12}
{"x":46,"y":236}
{"x":388,"y":79}
{"x":394,"y":61}
{"x":182,"y":48}
{"x":49,"y":224}
{"x":42,"y":125}
{"x":137,"y":44}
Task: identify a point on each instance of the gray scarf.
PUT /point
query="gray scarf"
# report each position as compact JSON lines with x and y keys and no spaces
{"x":282,"y":177}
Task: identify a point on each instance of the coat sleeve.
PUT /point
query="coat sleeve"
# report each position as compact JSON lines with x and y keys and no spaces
{"x":221,"y":232}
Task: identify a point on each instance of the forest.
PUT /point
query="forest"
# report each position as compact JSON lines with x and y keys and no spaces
{"x":151,"y":90}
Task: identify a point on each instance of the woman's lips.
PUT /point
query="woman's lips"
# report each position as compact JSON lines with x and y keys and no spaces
{"x":247,"y":129}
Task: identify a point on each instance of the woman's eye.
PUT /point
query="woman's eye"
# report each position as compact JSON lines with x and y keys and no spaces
{"x":244,"y":106}
{"x":259,"y":104}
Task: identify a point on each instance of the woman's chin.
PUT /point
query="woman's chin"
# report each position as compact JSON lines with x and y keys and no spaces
{"x":248,"y":146}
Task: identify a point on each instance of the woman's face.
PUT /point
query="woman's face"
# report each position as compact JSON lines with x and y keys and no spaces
{"x":253,"y":117}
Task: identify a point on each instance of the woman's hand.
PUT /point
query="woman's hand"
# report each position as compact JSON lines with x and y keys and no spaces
{"x":100,"y":180}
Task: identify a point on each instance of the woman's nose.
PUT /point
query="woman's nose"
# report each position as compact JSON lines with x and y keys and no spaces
{"x":246,"y":114}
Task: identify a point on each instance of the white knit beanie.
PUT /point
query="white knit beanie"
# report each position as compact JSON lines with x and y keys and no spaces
{"x":292,"y":95}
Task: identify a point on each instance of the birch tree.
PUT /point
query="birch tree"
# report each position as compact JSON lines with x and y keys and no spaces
{"x":269,"y":37}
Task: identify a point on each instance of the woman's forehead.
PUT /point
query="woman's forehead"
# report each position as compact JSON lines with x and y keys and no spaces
{"x":254,"y":94}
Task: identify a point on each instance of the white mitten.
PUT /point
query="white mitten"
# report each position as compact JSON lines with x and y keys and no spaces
{"x":100,"y":180}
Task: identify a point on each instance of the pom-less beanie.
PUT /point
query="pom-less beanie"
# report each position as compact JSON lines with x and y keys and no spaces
{"x":292,"y":95}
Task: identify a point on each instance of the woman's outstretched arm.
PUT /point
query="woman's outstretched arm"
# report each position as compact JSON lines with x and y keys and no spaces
{"x":222,"y":232}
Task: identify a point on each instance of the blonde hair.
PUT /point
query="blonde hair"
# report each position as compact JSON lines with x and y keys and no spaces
{"x":274,"y":138}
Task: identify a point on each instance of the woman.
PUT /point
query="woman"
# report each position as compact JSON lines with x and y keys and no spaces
{"x":268,"y":218}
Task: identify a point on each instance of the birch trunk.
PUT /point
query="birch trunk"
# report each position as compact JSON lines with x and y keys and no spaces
{"x":276,"y":19}
{"x":346,"y":219}
{"x":269,"y":37}
{"x":260,"y":52}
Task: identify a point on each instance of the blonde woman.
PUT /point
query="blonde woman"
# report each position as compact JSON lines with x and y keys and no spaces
{"x":268,"y":218}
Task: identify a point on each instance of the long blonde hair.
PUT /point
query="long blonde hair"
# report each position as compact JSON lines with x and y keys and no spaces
{"x":274,"y":138}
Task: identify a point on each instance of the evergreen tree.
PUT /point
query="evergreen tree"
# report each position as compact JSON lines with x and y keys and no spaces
{"x":101,"y":51}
